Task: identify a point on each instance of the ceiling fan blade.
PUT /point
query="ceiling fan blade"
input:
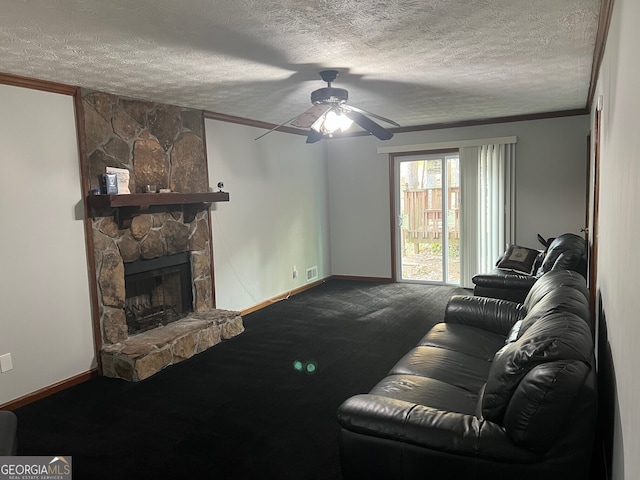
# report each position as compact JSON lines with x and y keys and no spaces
{"x":274,"y":128}
{"x":309,"y":117}
{"x":379,"y":117}
{"x":369,"y":125}
{"x":314,"y":136}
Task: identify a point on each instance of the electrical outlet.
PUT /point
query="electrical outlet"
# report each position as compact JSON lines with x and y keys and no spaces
{"x":5,"y":363}
{"x":295,"y":272}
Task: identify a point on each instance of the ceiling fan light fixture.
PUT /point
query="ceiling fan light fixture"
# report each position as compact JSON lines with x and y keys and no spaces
{"x":336,"y":121}
{"x":332,"y":121}
{"x":331,"y":113}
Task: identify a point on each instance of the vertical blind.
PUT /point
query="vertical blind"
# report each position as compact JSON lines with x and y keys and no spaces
{"x":487,"y":223}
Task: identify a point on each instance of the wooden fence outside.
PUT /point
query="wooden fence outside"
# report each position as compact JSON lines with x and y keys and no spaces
{"x":422,"y":215}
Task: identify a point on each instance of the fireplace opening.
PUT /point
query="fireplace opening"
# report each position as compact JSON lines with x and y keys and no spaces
{"x":157,"y":291}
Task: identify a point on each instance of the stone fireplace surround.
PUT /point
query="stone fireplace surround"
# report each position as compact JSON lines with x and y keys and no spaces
{"x":161,"y":145}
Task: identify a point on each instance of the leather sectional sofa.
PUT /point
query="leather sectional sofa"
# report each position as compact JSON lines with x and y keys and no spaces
{"x":513,"y":280}
{"x":498,"y":390}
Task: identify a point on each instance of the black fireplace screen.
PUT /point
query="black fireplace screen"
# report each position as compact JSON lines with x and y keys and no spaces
{"x":157,"y":291}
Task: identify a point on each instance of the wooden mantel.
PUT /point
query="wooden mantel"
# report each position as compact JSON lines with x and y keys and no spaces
{"x":129,"y":205}
{"x":144,"y":200}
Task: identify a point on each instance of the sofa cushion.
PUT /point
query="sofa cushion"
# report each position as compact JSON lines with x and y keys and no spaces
{"x":562,"y":299}
{"x":555,"y":336}
{"x":555,"y":291}
{"x":551,"y":281}
{"x":455,"y":368}
{"x":8,"y":428}
{"x":564,"y":253}
{"x":434,"y":393}
{"x":542,"y":401}
{"x":472,"y":341}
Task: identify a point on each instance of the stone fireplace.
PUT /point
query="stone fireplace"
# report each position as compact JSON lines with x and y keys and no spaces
{"x":137,"y":250}
{"x":157,"y":292}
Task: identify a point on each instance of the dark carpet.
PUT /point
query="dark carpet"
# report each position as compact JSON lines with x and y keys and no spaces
{"x":252,"y":407}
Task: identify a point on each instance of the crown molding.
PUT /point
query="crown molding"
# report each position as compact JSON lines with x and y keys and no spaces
{"x":413,"y":128}
{"x":604,"y":22}
{"x":223,"y":117}
{"x":36,"y":84}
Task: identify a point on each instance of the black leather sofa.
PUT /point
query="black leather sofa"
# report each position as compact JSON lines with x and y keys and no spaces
{"x":8,"y":427}
{"x":498,"y":390}
{"x":566,"y":252}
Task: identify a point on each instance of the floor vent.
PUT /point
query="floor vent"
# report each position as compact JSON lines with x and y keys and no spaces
{"x":312,"y":273}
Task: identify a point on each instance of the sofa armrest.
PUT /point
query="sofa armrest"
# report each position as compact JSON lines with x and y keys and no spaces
{"x":430,"y":428}
{"x":503,"y":279}
{"x":8,"y":427}
{"x":493,"y":314}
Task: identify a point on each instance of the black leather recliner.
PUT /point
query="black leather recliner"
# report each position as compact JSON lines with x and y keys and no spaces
{"x":8,"y":427}
{"x":498,"y":390}
{"x":566,"y":252}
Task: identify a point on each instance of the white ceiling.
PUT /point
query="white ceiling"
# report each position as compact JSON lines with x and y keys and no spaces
{"x":415,"y":61}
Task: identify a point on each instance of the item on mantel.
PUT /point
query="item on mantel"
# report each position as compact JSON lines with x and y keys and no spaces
{"x":164,"y":190}
{"x":122,"y":174}
{"x":108,"y":184}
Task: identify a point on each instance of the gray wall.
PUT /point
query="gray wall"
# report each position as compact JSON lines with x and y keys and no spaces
{"x":618,"y":227}
{"x":44,"y":288}
{"x":551,"y":170}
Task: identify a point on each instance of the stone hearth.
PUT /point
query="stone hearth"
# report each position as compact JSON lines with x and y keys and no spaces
{"x":140,"y":356}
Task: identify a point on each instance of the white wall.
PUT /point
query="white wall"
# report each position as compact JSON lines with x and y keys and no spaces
{"x":277,"y":216}
{"x":618,"y":253}
{"x":551,"y":168}
{"x":45,"y":321}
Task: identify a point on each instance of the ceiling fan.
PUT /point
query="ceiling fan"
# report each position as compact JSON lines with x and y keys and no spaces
{"x":330,"y":113}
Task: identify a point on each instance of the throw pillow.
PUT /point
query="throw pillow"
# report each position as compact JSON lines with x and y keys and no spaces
{"x":520,"y":259}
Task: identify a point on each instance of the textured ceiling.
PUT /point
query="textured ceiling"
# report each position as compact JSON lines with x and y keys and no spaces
{"x":415,"y":61}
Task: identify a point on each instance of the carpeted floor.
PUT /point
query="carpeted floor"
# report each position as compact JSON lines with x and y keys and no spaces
{"x":259,"y":406}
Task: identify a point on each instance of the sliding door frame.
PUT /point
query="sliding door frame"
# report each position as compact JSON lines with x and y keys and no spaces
{"x":393,"y":221}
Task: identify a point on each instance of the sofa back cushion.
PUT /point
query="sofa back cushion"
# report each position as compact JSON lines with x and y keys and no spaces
{"x":542,"y":402}
{"x":555,"y":291}
{"x":551,"y":281}
{"x":562,"y":299}
{"x":553,"y":337}
{"x":564,"y":253}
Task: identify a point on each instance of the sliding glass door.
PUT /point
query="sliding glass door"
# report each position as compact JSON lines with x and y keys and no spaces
{"x":427,"y":202}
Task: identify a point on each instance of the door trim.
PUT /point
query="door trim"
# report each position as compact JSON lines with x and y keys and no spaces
{"x":392,"y":199}
{"x":593,"y":230}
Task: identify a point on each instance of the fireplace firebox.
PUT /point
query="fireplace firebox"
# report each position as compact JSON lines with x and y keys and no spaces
{"x":157,"y":291}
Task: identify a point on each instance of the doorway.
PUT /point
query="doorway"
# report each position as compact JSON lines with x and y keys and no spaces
{"x":427,"y":212}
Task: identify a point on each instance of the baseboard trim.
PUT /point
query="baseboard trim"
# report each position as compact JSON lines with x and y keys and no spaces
{"x":283,"y":296}
{"x":308,"y":286}
{"x":50,"y":390}
{"x":363,"y":279}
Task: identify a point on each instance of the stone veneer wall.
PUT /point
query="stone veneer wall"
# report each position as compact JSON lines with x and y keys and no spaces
{"x":161,"y":145}
{"x":150,"y":236}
